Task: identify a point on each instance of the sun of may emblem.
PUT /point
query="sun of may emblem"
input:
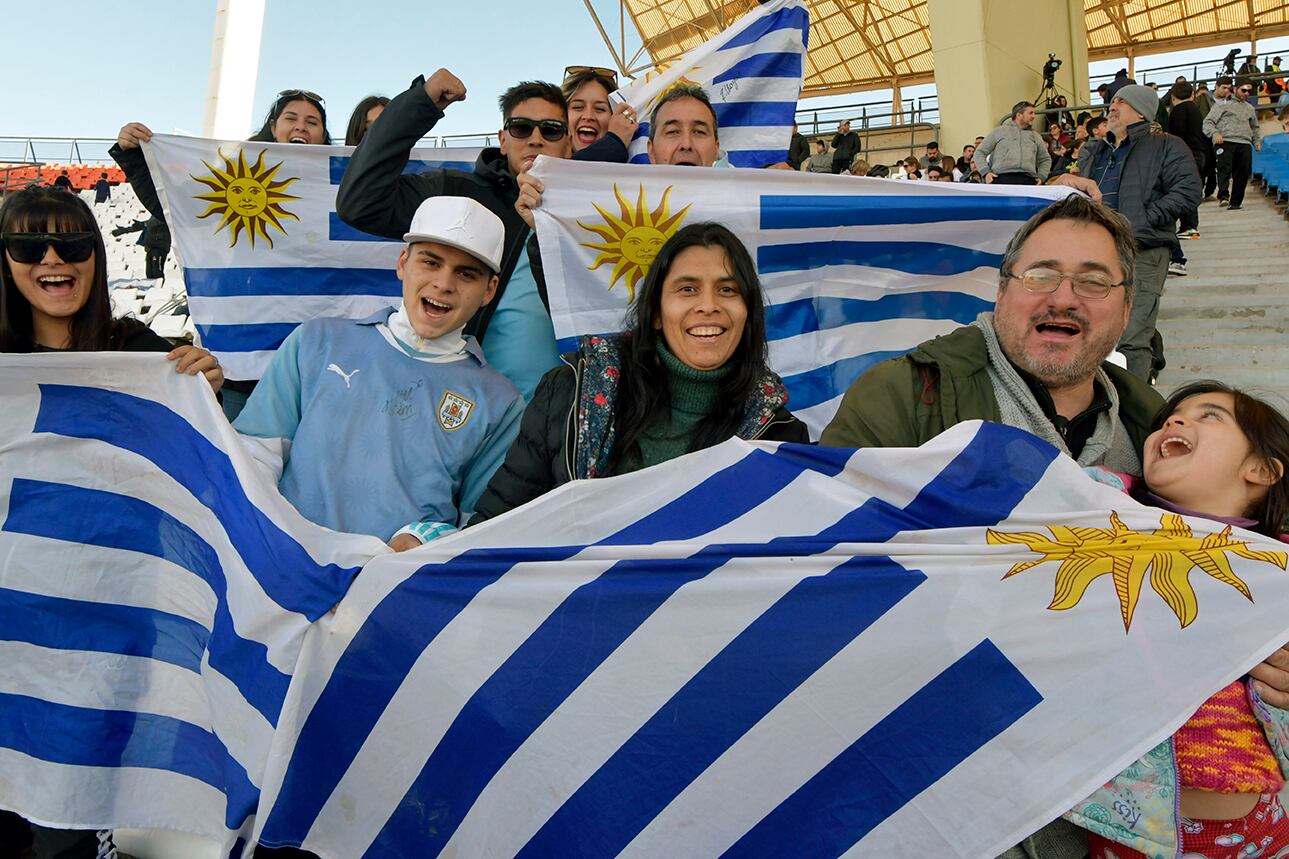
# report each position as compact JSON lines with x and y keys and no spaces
{"x":1167,"y":555}
{"x":246,"y":197}
{"x":630,"y":242}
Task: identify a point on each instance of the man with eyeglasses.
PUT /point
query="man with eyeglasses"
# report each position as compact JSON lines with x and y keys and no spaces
{"x":377,"y":197}
{"x":1233,"y":126}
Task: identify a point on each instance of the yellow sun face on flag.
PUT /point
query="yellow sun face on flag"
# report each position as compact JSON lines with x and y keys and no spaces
{"x":630,"y":241}
{"x":1167,"y":555}
{"x":246,"y":197}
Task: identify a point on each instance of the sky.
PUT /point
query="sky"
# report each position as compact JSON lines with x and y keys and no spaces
{"x":148,"y":60}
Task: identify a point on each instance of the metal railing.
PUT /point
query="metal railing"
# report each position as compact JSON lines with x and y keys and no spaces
{"x":867,"y":114}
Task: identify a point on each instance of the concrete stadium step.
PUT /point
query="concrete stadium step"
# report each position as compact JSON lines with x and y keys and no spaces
{"x":1228,"y":319}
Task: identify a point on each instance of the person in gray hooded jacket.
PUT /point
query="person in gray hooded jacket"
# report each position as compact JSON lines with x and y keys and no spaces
{"x":1233,"y":126}
{"x":1013,"y":153}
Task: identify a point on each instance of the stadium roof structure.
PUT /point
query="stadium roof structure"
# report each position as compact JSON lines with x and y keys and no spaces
{"x":859,"y":45}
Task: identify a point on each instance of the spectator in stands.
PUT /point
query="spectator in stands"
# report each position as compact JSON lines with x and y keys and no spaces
{"x":1203,"y":98}
{"x":1096,"y":127}
{"x":376,"y":196}
{"x":683,"y":129}
{"x":1102,"y":91}
{"x":1246,"y":74}
{"x":1275,"y":85}
{"x":1064,"y":118}
{"x":1066,"y":159}
{"x":297,"y":116}
{"x":433,"y":418}
{"x":932,"y":155}
{"x":102,"y":189}
{"x":1166,"y":104}
{"x":1149,"y":177}
{"x":950,"y":168}
{"x":798,"y":149}
{"x":858,"y":167}
{"x":1013,"y":153}
{"x":911,"y":169}
{"x":1121,"y":80}
{"x":599,"y":132}
{"x":53,"y":286}
{"x":154,"y":238}
{"x":964,"y":161}
{"x":821,"y":161}
{"x":365,"y":113}
{"x":62,"y":180}
{"x":933,"y":173}
{"x":1185,"y":122}
{"x":54,"y":298}
{"x":1232,"y":125}
{"x":845,"y":146}
{"x":688,"y":372}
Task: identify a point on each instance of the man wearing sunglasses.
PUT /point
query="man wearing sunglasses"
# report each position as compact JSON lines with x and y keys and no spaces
{"x":1233,"y":126}
{"x":377,"y":197}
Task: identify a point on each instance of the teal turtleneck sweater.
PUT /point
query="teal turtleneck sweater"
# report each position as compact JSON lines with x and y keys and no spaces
{"x":693,"y":396}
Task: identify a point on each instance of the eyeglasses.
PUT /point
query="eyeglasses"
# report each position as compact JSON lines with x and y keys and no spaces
{"x":574,"y":71}
{"x":301,"y":93}
{"x":29,"y":248}
{"x":1246,"y":90}
{"x":1044,"y":280}
{"x":520,"y":128}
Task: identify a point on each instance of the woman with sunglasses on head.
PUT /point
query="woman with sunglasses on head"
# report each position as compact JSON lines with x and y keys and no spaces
{"x":593,"y":122}
{"x":54,"y":298}
{"x":689,"y":372}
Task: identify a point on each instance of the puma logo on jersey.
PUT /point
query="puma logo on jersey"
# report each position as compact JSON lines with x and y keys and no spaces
{"x":341,"y":373}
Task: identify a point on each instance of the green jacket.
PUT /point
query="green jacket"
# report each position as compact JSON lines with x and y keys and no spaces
{"x":905,"y":401}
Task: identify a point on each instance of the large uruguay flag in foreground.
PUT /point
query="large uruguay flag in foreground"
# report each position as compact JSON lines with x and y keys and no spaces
{"x":261,"y":245}
{"x":855,"y":270}
{"x":755,"y":650}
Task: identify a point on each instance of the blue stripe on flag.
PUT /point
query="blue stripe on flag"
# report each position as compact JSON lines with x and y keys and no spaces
{"x":778,"y":64}
{"x":718,"y":705}
{"x":390,"y":642}
{"x":792,"y":18}
{"x":339,"y":231}
{"x":812,"y":387}
{"x":283,"y":568}
{"x":946,"y":721}
{"x":68,"y":624}
{"x":908,"y":257}
{"x":758,"y":157}
{"x":80,"y":736}
{"x":575,"y":639}
{"x":97,"y":518}
{"x":806,"y":211}
{"x":218,"y":282}
{"x":340,"y":163}
{"x":826,"y":312}
{"x":737,"y":114}
{"x":245,"y":338}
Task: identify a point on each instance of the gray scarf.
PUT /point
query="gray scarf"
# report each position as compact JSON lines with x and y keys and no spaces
{"x":1109,"y":446}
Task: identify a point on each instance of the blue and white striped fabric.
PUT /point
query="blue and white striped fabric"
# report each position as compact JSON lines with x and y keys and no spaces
{"x":855,"y":270}
{"x":755,"y":650}
{"x":154,"y":594}
{"x":246,"y":296}
{"x":753,"y":72}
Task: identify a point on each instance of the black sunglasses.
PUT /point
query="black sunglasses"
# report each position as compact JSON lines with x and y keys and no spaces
{"x":301,"y":93}
{"x":552,"y":130}
{"x":1246,"y":90}
{"x":29,"y":248}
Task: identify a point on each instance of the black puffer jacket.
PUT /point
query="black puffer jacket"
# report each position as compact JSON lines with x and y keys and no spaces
{"x":1158,"y":185}
{"x":545,"y":453}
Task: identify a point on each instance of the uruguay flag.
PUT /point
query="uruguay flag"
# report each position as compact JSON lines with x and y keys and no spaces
{"x":767,"y":650}
{"x":752,"y":73}
{"x":855,"y":270}
{"x":154,"y":593}
{"x":262,"y":248}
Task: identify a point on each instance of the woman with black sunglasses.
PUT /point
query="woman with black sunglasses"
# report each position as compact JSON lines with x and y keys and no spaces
{"x":53,"y":286}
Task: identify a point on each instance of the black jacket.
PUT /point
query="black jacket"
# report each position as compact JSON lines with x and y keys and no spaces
{"x":135,"y":167}
{"x":798,"y":151}
{"x":845,"y":146}
{"x":542,"y":456}
{"x":1186,"y":122}
{"x":1159,"y":183}
{"x":375,"y":196}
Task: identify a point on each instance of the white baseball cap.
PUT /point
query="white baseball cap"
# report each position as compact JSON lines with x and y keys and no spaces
{"x":461,"y":223}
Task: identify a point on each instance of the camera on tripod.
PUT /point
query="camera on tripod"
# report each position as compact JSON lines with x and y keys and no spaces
{"x":1049,"y":71}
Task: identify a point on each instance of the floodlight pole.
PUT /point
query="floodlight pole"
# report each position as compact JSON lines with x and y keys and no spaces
{"x":234,"y":65}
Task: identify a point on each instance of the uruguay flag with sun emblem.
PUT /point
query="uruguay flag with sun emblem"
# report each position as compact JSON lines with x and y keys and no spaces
{"x":855,"y":270}
{"x":262,"y":248}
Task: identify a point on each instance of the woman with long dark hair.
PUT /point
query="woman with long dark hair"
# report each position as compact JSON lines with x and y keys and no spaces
{"x":688,"y":372}
{"x":53,"y":286}
{"x":365,"y":113}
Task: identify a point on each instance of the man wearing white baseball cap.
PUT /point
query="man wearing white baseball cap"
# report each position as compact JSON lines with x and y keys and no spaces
{"x":392,"y":425}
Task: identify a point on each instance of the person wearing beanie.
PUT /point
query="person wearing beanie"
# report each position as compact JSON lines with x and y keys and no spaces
{"x":1233,"y":126}
{"x":392,"y":425}
{"x":1149,"y":177}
